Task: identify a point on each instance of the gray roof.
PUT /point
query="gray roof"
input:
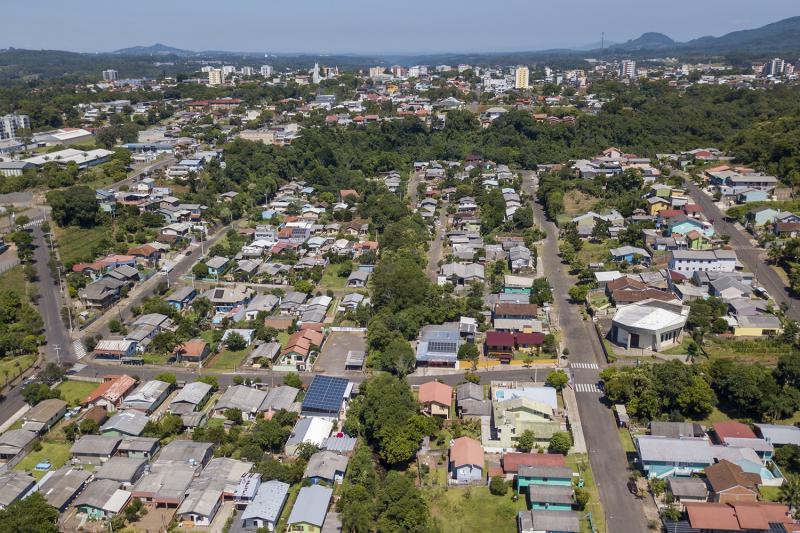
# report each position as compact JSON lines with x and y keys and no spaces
{"x":468,"y":390}
{"x":16,"y":438}
{"x":550,"y":493}
{"x":280,"y":398}
{"x":180,"y":294}
{"x":45,"y":410}
{"x":546,"y":520}
{"x":138,"y":444}
{"x":193,"y":393}
{"x":167,"y":482}
{"x":63,"y":485}
{"x":201,"y":502}
{"x":475,"y":407}
{"x":759,"y":321}
{"x":269,"y":501}
{"x":663,"y":449}
{"x":688,"y":487}
{"x":676,"y":429}
{"x":128,"y":422}
{"x":97,"y":493}
{"x":311,"y":506}
{"x":545,"y":471}
{"x":95,"y":445}
{"x":325,"y":465}
{"x":123,"y":469}
{"x":13,"y":486}
{"x":342,"y":444}
{"x":779,"y":434}
{"x":183,"y":451}
{"x":217,"y":262}
{"x":242,"y":397}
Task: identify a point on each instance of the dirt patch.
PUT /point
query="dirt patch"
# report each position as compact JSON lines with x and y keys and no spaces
{"x":577,"y":202}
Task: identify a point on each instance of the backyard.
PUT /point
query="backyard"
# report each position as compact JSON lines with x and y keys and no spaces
{"x":56,"y":453}
{"x":76,"y":244}
{"x":331,"y":278}
{"x":467,"y":509}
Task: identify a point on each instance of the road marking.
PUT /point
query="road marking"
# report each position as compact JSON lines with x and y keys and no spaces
{"x":587,"y":387}
{"x":80,"y":351}
{"x":584,"y":365}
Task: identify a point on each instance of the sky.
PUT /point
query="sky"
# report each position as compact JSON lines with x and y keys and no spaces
{"x":369,"y":26}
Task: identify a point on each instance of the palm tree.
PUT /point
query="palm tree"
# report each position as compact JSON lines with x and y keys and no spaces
{"x":790,"y":492}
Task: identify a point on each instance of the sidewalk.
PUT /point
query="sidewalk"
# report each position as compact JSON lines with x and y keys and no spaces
{"x":571,"y":405}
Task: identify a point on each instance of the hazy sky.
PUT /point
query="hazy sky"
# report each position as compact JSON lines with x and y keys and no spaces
{"x":369,"y":26}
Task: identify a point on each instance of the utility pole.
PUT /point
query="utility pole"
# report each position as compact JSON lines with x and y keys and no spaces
{"x":57,"y":348}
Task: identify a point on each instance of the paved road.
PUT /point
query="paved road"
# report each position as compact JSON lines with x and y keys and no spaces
{"x":752,"y":257}
{"x":624,"y":513}
{"x":411,"y":188}
{"x":122,"y":310}
{"x":437,"y":245}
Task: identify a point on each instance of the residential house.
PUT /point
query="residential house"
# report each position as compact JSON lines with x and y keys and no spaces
{"x":147,"y":396}
{"x":438,"y":345}
{"x":193,"y":351}
{"x":189,"y":398}
{"x":308,"y":429}
{"x":265,"y":509}
{"x":436,"y":398}
{"x":551,"y":497}
{"x":326,"y":466}
{"x":123,"y":470}
{"x":461,"y":274}
{"x":310,"y":509}
{"x":102,"y":498}
{"x":111,"y":392}
{"x":663,"y":457}
{"x":125,"y":423}
{"x":14,"y":444}
{"x":94,"y":449}
{"x":631,"y":255}
{"x":247,"y":399}
{"x":511,"y":463}
{"x":326,"y":397}
{"x":44,"y":415}
{"x":690,"y":261}
{"x":757,"y":326}
{"x":181,"y":297}
{"x":751,"y":517}
{"x":762,"y":215}
{"x":730,"y":484}
{"x":548,"y":521}
{"x":687,"y":490}
{"x":779,"y":434}
{"x":61,"y":488}
{"x":466,"y":461}
{"x":138,"y":447}
{"x":358,"y":279}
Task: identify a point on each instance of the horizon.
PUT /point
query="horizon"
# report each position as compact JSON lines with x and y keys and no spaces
{"x":447,"y":27}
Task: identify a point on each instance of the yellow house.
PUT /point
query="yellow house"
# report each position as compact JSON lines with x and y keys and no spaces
{"x":513,"y":417}
{"x":757,"y":326}
{"x":391,"y":88}
{"x":656,"y":204}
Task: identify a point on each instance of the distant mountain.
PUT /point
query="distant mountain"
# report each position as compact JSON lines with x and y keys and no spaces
{"x":157,"y":49}
{"x":647,"y":41}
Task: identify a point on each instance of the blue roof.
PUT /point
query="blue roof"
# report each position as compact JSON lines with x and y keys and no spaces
{"x":324,"y":396}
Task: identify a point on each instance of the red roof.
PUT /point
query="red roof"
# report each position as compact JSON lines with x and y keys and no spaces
{"x":733,"y":430}
{"x":512,"y":461}
{"x":112,"y":389}
{"x":499,"y":338}
{"x":466,"y":451}
{"x":669,"y":213}
{"x":530,"y":339}
{"x":692,"y":208}
{"x":435,"y":392}
{"x":737,"y":516}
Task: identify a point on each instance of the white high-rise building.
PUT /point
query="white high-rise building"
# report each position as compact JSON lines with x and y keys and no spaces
{"x":228,"y":69}
{"x":315,"y":77}
{"x":11,"y":124}
{"x":216,"y":76}
{"x":110,"y":75}
{"x":375,"y":72}
{"x":627,"y":69}
{"x":775,"y":68}
{"x":247,"y":71}
{"x":521,"y":76}
{"x":266,"y":70}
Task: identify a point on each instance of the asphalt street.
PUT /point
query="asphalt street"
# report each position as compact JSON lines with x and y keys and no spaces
{"x":753,"y":258}
{"x":624,"y":513}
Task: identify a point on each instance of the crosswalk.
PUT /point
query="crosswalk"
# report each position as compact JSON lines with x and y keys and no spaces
{"x":33,"y":223}
{"x":592,"y":366}
{"x":79,"y":349}
{"x":587,"y":387}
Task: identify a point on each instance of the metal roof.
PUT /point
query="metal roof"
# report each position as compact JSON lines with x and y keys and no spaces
{"x":268,"y":502}
{"x":325,"y":395}
{"x":311,"y":506}
{"x":63,"y":485}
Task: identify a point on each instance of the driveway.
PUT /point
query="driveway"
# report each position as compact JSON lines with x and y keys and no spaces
{"x":334,"y":351}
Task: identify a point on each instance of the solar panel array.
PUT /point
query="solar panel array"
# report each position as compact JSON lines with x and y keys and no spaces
{"x":442,"y":346}
{"x":325,"y":394}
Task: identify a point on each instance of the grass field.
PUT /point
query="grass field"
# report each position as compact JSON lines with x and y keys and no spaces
{"x":769,"y":494}
{"x":595,"y":252}
{"x":578,"y":202}
{"x":76,"y":244}
{"x":283,"y":338}
{"x":227,"y":359}
{"x":57,"y":453}
{"x":580,"y":464}
{"x":626,"y":440}
{"x":12,"y":367}
{"x":331,"y":278}
{"x":14,"y":280}
{"x":74,"y":391}
{"x":468,"y":509}
{"x":679,"y":349}
{"x":762,"y":351}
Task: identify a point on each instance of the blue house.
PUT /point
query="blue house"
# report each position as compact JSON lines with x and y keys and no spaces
{"x":631,"y":255}
{"x":466,"y":461}
{"x":684,"y":224}
{"x":550,"y":497}
{"x":662,"y":457}
{"x":751,"y":195}
{"x":182,"y":297}
{"x":762,"y":215}
{"x":217,"y":265}
{"x":554,"y":476}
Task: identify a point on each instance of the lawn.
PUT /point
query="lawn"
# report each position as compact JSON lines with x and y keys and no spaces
{"x":331,"y":278}
{"x":594,"y":252}
{"x":14,"y":280}
{"x":156,"y":358}
{"x":467,"y":509}
{"x":74,"y":391}
{"x":580,"y":463}
{"x":764,"y":351}
{"x":283,"y":338}
{"x":715,"y":416}
{"x":57,"y":453}
{"x":77,"y":244}
{"x":769,"y":494}
{"x":227,"y":359}
{"x":578,"y":202}
{"x":12,"y":367}
{"x":680,"y":349}
{"x":626,"y":440}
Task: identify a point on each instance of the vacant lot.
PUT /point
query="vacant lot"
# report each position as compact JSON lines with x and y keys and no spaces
{"x":227,"y":359}
{"x":73,"y":392}
{"x":464,"y":509}
{"x":77,"y":244}
{"x":331,"y":278}
{"x":335,"y":349}
{"x":12,"y":367}
{"x":577,"y":202}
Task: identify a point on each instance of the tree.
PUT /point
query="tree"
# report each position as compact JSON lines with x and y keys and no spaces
{"x":541,"y":292}
{"x":787,"y":458}
{"x":89,"y":427}
{"x":581,"y":498}
{"x":790,"y":492}
{"x":398,"y":357}
{"x":36,"y":392}
{"x":526,"y":441}
{"x":472,"y":377}
{"x":210,"y":380}
{"x":234,"y":415}
{"x":134,"y":510}
{"x":557,"y":379}
{"x":30,"y":514}
{"x":235,"y":341}
{"x":560,"y":442}
{"x":51,"y":373}
{"x":292,"y":379}
{"x":498,"y":486}
{"x":76,"y":206}
{"x":200,"y":270}
{"x":468,"y":351}
{"x":306,"y":449}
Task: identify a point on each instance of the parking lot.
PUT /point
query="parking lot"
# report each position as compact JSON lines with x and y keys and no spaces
{"x":334,"y":352}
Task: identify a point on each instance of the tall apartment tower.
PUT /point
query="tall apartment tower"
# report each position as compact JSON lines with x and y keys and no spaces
{"x":266,"y":70}
{"x":521,"y":77}
{"x":110,"y":75}
{"x":627,"y":69}
{"x":216,"y":76}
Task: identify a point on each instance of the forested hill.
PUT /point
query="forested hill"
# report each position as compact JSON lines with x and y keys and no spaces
{"x":646,"y":120}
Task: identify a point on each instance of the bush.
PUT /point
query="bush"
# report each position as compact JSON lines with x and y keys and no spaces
{"x":560,"y":442}
{"x":498,"y":486}
{"x":472,"y":377}
{"x":581,"y":498}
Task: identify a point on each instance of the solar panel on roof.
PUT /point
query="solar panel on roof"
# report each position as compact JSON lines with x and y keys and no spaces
{"x":441,"y":346}
{"x":325,"y":394}
{"x":219,"y":293}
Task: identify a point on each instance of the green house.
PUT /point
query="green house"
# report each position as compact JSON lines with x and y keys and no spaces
{"x":550,"y":497}
{"x":553,"y":476}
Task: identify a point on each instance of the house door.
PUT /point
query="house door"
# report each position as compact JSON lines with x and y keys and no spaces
{"x":634,"y":340}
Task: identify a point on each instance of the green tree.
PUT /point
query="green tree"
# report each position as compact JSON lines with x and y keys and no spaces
{"x":526,"y":441}
{"x":498,"y":486}
{"x":167,"y":377}
{"x":235,"y":341}
{"x":234,"y":415}
{"x":89,"y":427}
{"x":398,"y":357}
{"x":292,"y":379}
{"x":557,"y":379}
{"x":581,"y":498}
{"x":36,"y":392}
{"x":560,"y":442}
{"x":29,"y":514}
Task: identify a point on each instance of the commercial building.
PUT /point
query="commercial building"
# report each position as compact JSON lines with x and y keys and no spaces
{"x":11,"y":124}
